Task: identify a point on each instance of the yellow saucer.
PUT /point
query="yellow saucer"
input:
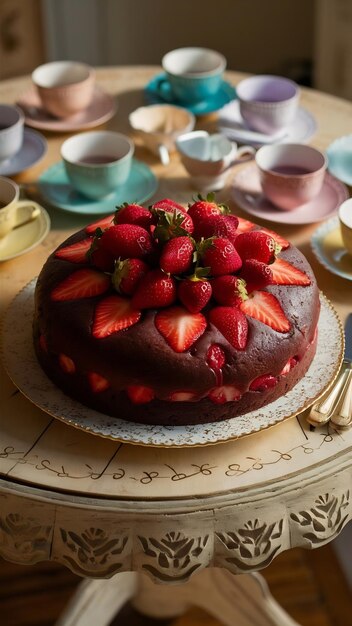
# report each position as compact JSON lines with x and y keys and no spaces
{"x":328,"y":247}
{"x":25,"y":238}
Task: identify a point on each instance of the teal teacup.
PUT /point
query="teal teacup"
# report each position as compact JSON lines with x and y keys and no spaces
{"x":98,"y":162}
{"x":194,"y":74}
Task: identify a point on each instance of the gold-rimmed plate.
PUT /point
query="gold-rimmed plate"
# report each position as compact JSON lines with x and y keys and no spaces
{"x":24,"y":370}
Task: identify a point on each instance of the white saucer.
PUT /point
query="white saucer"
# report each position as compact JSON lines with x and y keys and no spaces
{"x":24,"y":370}
{"x":328,"y":248}
{"x":33,"y":149}
{"x":246,"y":191}
{"x":230,"y":124}
{"x":102,"y":108}
{"x":25,"y":238}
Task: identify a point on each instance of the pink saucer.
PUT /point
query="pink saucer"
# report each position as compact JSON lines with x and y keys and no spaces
{"x":247,"y":193}
{"x":101,"y":109}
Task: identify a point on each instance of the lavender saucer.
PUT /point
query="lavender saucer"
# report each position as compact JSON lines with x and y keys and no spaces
{"x":33,"y":149}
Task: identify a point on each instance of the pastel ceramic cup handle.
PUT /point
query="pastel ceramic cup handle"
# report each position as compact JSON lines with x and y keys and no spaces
{"x":245,"y":153}
{"x":26,"y":211}
{"x":164,"y":90}
{"x":163,"y":154}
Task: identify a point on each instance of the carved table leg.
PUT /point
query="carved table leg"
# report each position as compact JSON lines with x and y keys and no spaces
{"x":97,"y":601}
{"x":244,"y":600}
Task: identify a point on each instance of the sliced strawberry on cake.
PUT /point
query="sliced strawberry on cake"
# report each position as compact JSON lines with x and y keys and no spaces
{"x":265,"y":308}
{"x":76,"y":252}
{"x":112,"y":314}
{"x":179,"y":327}
{"x":85,"y":283}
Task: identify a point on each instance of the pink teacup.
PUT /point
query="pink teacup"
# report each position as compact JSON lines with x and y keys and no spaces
{"x":290,"y":174}
{"x":65,"y":87}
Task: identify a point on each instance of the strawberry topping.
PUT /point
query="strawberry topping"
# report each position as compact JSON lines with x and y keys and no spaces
{"x":286,"y":274}
{"x":154,"y":291}
{"x":103,"y":223}
{"x":112,"y":314}
{"x":220,"y":256}
{"x":97,"y":383}
{"x":76,"y":252}
{"x":232,"y":324}
{"x":85,"y":283}
{"x":256,"y":245}
{"x":179,"y":327}
{"x":177,"y":255}
{"x":226,"y":393}
{"x":66,"y":364}
{"x":127,"y":241}
{"x":229,"y":290}
{"x":262,"y":383}
{"x":128,"y":274}
{"x":265,"y":308}
{"x":133,"y":214}
{"x":256,"y":274}
{"x":194,"y":293}
{"x":139,"y":394}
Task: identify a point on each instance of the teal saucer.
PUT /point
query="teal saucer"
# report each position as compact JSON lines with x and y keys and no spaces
{"x":339,"y":155}
{"x":56,"y":189}
{"x":158,"y":91}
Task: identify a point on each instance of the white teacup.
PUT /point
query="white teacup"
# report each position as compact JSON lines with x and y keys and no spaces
{"x":207,"y":158}
{"x":14,"y":212}
{"x":11,"y":131}
{"x":159,"y":125}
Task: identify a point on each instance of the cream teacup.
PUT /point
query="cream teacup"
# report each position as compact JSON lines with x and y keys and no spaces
{"x":14,"y":212}
{"x":345,"y":217}
{"x":207,"y":158}
{"x":159,"y":125}
{"x":290,"y":174}
{"x":11,"y":131}
{"x":65,"y":87}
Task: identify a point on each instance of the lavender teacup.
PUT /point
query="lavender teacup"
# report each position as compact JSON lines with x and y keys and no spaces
{"x":290,"y":174}
{"x":267,"y":103}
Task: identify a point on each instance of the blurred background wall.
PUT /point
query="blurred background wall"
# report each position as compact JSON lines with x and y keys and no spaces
{"x":309,"y":41}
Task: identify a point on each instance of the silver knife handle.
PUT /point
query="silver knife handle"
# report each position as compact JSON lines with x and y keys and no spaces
{"x":322,"y":410}
{"x":342,"y":416}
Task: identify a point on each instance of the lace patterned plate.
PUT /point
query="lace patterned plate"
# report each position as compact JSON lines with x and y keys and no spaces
{"x":24,"y":370}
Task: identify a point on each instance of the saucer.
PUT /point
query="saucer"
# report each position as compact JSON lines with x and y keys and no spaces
{"x":247,"y":193}
{"x":101,"y":109}
{"x":25,"y":238}
{"x":230,"y":124}
{"x":339,"y":155}
{"x":158,"y":91}
{"x":328,"y":248}
{"x":56,"y":189}
{"x":33,"y":149}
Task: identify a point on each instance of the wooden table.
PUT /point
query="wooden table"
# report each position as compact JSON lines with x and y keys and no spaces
{"x":103,"y":508}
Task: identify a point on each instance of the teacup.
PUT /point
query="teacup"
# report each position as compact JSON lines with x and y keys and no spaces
{"x":97,"y":162}
{"x":159,"y":125}
{"x":65,"y":87}
{"x":267,"y":103}
{"x":14,"y":212}
{"x":207,"y":158}
{"x":345,"y":217}
{"x":194,"y":74}
{"x":11,"y":131}
{"x":290,"y":174}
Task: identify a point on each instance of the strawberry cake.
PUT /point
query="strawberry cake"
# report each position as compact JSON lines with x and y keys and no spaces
{"x":173,"y":315}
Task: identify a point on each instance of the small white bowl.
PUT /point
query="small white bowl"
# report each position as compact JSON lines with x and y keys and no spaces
{"x":159,"y":125}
